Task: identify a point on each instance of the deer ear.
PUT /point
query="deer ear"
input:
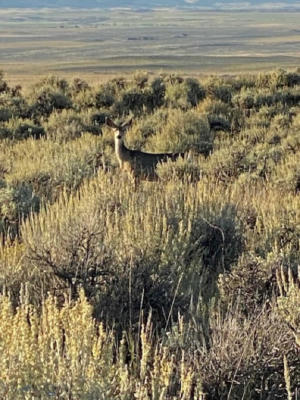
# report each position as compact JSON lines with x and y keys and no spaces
{"x":110,"y":122}
{"x":128,"y":123}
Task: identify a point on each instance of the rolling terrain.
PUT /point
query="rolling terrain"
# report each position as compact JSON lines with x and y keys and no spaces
{"x":38,"y":42}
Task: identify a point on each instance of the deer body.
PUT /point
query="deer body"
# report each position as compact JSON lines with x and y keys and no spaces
{"x":138,"y":163}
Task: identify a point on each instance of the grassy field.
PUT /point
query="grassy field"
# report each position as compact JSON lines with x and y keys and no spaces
{"x":38,"y":42}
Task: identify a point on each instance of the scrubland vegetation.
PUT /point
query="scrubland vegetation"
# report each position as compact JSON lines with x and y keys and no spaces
{"x":185,"y":288}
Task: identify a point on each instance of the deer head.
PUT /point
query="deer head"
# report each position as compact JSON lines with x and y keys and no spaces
{"x":119,"y":129}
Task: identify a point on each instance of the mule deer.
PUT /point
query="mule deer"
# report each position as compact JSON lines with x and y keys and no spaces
{"x":139,"y":164}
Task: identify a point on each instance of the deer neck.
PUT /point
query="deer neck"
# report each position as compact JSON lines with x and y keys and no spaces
{"x":122,"y":152}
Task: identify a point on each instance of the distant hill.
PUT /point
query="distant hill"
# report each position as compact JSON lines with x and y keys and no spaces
{"x":222,"y":4}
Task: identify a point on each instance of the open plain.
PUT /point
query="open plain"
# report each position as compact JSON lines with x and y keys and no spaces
{"x":106,"y":42}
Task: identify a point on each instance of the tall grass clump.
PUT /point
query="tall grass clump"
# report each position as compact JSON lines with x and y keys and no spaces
{"x":65,"y":352}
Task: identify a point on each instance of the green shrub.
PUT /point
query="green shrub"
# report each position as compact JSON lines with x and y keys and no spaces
{"x":290,"y":97}
{"x":19,"y":129}
{"x":184,"y":169}
{"x":105,"y":97}
{"x":278,"y":79}
{"x":16,"y":203}
{"x":218,"y":90}
{"x":176,"y":95}
{"x":66,"y":125}
{"x":5,"y":114}
{"x":277,"y":229}
{"x":110,"y":92}
{"x":183,"y":131}
{"x":194,"y":92}
{"x":112,"y":240}
{"x":156,"y":95}
{"x":219,"y":123}
{"x":98,"y":119}
{"x":54,"y":82}
{"x":185,"y":94}
{"x":45,"y":101}
{"x":238,"y":82}
{"x":84,"y":99}
{"x":286,"y":174}
{"x":14,"y":106}
{"x":132,"y":101}
{"x":5,"y":132}
{"x":3,"y":84}
{"x":245,"y":99}
{"x":215,"y":107}
{"x":145,"y":127}
{"x":221,"y":116}
{"x":228,"y":162}
{"x":51,"y":167}
{"x":263,"y":158}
